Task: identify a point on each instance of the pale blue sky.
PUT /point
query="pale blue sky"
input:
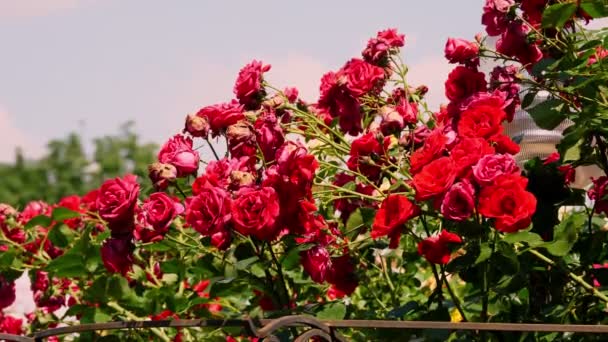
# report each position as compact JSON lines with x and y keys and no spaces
{"x":102,"y":62}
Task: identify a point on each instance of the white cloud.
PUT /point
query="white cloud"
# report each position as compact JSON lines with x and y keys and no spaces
{"x":33,"y":8}
{"x":12,"y":137}
{"x":432,"y":72}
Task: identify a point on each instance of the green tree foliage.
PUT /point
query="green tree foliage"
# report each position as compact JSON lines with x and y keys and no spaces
{"x":66,"y":169}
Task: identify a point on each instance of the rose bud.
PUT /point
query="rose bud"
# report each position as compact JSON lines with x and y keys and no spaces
{"x":161,"y":175}
{"x":178,"y":152}
{"x":241,"y":131}
{"x":273,"y":102}
{"x":460,"y":50}
{"x":197,"y":126}
{"x":391,"y":120}
{"x":241,"y":178}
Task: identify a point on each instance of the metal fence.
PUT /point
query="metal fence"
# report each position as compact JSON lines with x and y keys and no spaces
{"x":326,"y":330}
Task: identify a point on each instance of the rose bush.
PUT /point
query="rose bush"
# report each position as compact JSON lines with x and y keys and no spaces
{"x":364,"y":204}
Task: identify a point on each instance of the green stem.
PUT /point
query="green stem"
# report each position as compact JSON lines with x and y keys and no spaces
{"x":281,"y":276}
{"x":453,"y":296}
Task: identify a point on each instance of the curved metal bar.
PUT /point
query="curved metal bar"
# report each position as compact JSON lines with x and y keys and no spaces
{"x":15,"y":338}
{"x":313,"y":333}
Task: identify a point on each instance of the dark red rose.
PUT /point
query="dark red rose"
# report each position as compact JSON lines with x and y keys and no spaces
{"x":269,"y":135}
{"x":361,"y":77}
{"x":392,"y":121}
{"x":337,"y":100}
{"x":434,"y":179}
{"x":116,"y":203}
{"x":255,"y":211}
{"x":347,"y":205}
{"x":394,"y":212}
{"x":481,"y":121}
{"x":495,"y":16}
{"x":467,"y":152}
{"x":117,"y":255}
{"x":248,"y":86}
{"x":366,"y":156}
{"x":460,"y":50}
{"x":157,"y":213}
{"x":342,"y":276}
{"x":316,"y":262}
{"x":508,"y":202}
{"x":514,"y":43}
{"x":436,"y":249}
{"x":222,"y":115}
{"x":7,"y":293}
{"x":209,"y":211}
{"x":178,"y":152}
{"x":505,"y":80}
{"x":598,"y":193}
{"x":459,"y":202}
{"x":463,"y":82}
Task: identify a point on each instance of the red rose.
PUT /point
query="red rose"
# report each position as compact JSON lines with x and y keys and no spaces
{"x":463,"y":82}
{"x":269,"y":135}
{"x":492,"y":166}
{"x":394,"y":212}
{"x":89,"y":200}
{"x":436,"y":249}
{"x":362,"y":77}
{"x":514,"y":43}
{"x":467,"y":152}
{"x":342,"y":276}
{"x":117,"y":255}
{"x":598,"y":194}
{"x":116,"y":203}
{"x":508,"y":202}
{"x":377,"y":48}
{"x":178,"y":152}
{"x":459,"y":202}
{"x":433,"y":148}
{"x":495,"y":16}
{"x":7,"y":293}
{"x":316,"y":262}
{"x":503,"y":144}
{"x":241,"y":140}
{"x":481,"y":121}
{"x":222,"y":115}
{"x":366,"y":154}
{"x":157,"y":212}
{"x":408,"y":111}
{"x":339,"y":102}
{"x":460,"y":50}
{"x":254,"y":212}
{"x":248,"y":86}
{"x":16,"y":234}
{"x":209,"y":211}
{"x":33,"y":209}
{"x":434,"y":179}
{"x":11,"y":325}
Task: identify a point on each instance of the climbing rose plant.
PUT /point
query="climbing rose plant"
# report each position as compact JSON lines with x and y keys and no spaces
{"x":365,"y":204}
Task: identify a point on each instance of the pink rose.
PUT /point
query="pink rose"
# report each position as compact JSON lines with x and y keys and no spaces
{"x":178,"y":152}
{"x":514,"y":43}
{"x":460,"y":50}
{"x":459,"y":202}
{"x":117,"y":255}
{"x":33,"y":209}
{"x":255,"y":211}
{"x":316,"y":262}
{"x":222,"y":115}
{"x":495,"y":16}
{"x":362,"y":77}
{"x":491,"y":166}
{"x":116,"y":203}
{"x":248,"y":86}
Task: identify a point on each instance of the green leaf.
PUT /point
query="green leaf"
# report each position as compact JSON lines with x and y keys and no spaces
{"x":532,"y":239}
{"x":244,"y":264}
{"x":332,"y":311}
{"x":61,"y":214}
{"x":484,"y":253}
{"x":75,"y":262}
{"x":528,"y":99}
{"x":547,"y":114}
{"x":292,"y":258}
{"x":40,"y":220}
{"x":595,"y":8}
{"x":61,"y":235}
{"x":558,"y":14}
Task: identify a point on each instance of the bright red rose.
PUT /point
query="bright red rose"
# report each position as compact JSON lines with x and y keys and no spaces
{"x":460,"y":50}
{"x":89,"y":200}
{"x":255,"y":211}
{"x":598,"y":194}
{"x":222,"y":115}
{"x":209,"y":211}
{"x":503,"y":144}
{"x":316,"y":262}
{"x":116,"y":203}
{"x":508,"y":202}
{"x":436,"y":249}
{"x":481,"y":121}
{"x":221,"y":238}
{"x":10,"y":325}
{"x":248,"y":87}
{"x":394,"y":212}
{"x":366,"y":154}
{"x":433,"y":148}
{"x":117,"y":255}
{"x":492,"y":166}
{"x":467,"y":152}
{"x":157,"y":213}
{"x":459,"y":202}
{"x":495,"y":16}
{"x":7,"y":293}
{"x":434,"y":179}
{"x":362,"y":77}
{"x":269,"y":135}
{"x":178,"y":152}
{"x":463,"y":82}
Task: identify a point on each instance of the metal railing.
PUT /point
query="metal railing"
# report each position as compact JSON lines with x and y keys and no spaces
{"x":326,"y":330}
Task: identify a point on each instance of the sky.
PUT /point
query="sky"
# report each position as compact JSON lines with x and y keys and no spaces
{"x":91,"y":65}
